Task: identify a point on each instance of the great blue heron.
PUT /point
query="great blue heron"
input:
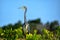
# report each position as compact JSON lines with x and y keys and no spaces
{"x":26,"y":27}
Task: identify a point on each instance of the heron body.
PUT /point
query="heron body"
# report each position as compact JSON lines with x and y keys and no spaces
{"x":26,"y":27}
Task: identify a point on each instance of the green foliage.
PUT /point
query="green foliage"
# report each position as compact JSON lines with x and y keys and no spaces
{"x":19,"y":32}
{"x":9,"y":34}
{"x":58,"y":32}
{"x":14,"y":32}
{"x":35,"y":21}
{"x":47,"y":35}
{"x":53,"y":25}
{"x":31,"y":36}
{"x":1,"y":30}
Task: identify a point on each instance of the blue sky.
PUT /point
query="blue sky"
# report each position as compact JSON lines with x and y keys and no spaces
{"x":46,"y":10}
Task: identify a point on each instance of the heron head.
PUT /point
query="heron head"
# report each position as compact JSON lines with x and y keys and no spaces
{"x":23,"y":8}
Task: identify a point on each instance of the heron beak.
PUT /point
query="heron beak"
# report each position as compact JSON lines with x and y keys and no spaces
{"x":22,"y":8}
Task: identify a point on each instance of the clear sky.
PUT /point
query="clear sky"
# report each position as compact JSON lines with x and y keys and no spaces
{"x":46,"y":10}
